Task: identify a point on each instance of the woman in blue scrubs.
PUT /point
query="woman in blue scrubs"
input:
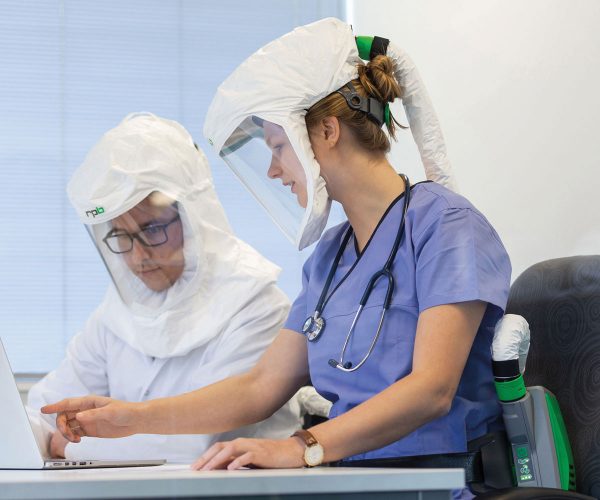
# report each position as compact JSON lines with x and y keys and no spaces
{"x":426,"y":388}
{"x":452,"y":277}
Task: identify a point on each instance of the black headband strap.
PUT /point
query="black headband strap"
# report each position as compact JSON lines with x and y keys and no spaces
{"x":374,"y":109}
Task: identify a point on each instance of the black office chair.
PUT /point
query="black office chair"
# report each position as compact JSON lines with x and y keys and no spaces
{"x":560,"y":298}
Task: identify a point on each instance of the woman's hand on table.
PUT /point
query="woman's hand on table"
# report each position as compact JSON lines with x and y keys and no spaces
{"x":260,"y":453}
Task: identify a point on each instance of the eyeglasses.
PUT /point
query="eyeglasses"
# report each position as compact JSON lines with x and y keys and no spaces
{"x":151,"y":236}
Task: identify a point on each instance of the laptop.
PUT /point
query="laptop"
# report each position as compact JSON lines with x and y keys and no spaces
{"x":19,"y":446}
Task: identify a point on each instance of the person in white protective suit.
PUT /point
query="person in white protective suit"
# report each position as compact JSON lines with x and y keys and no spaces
{"x":396,"y":316}
{"x":190,"y":304}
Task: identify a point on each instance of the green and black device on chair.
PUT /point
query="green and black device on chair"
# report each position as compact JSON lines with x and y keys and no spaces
{"x":541,"y":452}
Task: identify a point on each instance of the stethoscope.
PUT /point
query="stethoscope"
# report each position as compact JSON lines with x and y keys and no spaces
{"x":315,"y":325}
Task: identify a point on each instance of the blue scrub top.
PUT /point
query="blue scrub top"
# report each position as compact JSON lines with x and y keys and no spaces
{"x":450,"y":253}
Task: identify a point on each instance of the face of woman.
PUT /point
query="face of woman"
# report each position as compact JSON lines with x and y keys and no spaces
{"x":159,"y":266}
{"x":284,"y":162}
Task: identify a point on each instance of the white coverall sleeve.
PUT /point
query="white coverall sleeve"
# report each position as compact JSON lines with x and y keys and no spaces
{"x":249,"y":334}
{"x":81,"y":372}
{"x":136,"y":447}
{"x":234,"y":351}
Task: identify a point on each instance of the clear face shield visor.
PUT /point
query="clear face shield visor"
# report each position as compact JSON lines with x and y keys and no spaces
{"x":143,"y":249}
{"x":260,"y":153}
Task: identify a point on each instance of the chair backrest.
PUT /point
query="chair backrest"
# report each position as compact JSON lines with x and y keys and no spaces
{"x":560,"y":298}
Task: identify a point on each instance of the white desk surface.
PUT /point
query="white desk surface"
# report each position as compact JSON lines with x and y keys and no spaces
{"x":179,"y":481}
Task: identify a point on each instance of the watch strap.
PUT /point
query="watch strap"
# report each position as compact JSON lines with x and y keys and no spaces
{"x":306,"y":436}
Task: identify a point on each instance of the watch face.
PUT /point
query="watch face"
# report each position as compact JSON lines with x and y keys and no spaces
{"x":313,"y":455}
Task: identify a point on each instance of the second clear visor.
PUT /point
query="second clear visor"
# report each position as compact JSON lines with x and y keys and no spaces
{"x":143,"y":249}
{"x":260,"y":153}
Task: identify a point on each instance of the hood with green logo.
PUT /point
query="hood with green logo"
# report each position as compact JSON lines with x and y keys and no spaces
{"x":144,"y":156}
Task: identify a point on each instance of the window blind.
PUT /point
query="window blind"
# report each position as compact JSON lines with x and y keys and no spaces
{"x":71,"y":70}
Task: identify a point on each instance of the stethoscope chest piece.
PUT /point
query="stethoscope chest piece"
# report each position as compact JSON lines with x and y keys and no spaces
{"x":313,"y":327}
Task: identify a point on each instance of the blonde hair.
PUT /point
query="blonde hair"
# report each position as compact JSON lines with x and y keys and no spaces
{"x":375,"y":79}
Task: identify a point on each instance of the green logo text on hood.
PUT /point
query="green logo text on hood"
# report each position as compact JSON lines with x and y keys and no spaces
{"x":95,"y":211}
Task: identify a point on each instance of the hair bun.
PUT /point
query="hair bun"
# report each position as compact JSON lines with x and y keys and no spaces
{"x":378,"y":79}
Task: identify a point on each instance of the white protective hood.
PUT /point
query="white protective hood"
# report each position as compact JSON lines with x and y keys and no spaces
{"x":279,"y":82}
{"x":222,"y":274}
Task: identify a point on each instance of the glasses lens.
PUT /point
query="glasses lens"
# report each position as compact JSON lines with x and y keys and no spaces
{"x":154,"y":235}
{"x":119,"y":243}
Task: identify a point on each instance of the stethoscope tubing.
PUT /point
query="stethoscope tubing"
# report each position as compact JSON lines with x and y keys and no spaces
{"x":316,"y":321}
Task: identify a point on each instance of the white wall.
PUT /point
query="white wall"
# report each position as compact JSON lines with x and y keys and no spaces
{"x":517,"y":89}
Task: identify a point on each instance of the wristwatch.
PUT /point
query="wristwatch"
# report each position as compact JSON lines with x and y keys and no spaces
{"x":313,"y":453}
